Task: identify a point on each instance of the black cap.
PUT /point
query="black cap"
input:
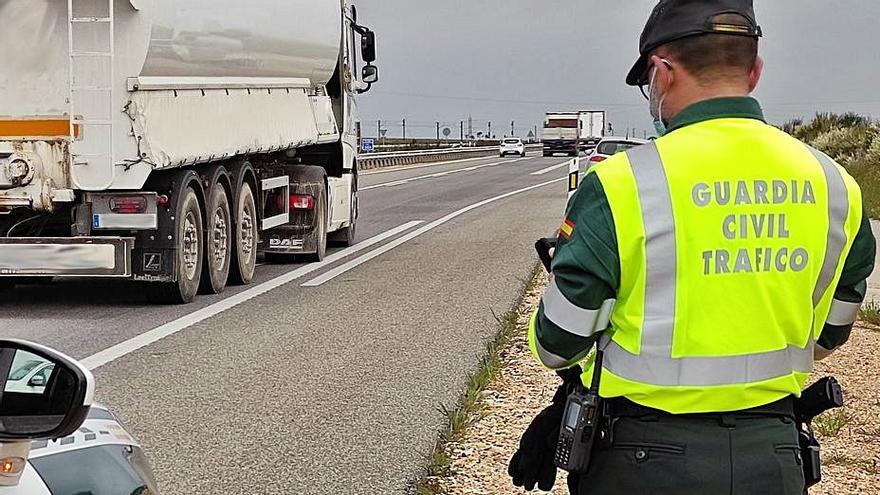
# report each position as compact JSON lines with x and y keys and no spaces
{"x":676,"y":19}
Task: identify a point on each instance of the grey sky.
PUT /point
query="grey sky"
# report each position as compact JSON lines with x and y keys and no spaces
{"x":514,"y":60}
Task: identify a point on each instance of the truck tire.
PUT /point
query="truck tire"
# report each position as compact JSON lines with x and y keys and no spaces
{"x":218,"y":249}
{"x":346,"y":237}
{"x":190,"y":240}
{"x":245,"y":237}
{"x":321,"y":234}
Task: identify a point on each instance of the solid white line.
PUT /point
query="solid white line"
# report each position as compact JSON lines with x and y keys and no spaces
{"x":550,"y":169}
{"x":117,"y":351}
{"x":331,"y":274}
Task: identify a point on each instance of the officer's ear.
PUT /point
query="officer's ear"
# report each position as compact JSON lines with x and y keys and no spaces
{"x":664,"y":76}
{"x":755,"y":74}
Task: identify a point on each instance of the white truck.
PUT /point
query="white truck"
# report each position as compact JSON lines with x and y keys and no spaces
{"x":572,"y":132}
{"x":170,"y":141}
{"x":591,"y":128}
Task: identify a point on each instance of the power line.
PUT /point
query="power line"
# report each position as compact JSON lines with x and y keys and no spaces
{"x":502,"y":100}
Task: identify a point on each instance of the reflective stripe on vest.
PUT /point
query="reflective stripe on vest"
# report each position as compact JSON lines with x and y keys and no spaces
{"x":572,"y":318}
{"x":655,"y":364}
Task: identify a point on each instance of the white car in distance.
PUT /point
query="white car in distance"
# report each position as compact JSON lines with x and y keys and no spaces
{"x":512,"y":146}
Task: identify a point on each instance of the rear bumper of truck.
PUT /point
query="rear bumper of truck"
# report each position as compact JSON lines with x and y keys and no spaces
{"x":560,"y":146}
{"x":66,"y":256}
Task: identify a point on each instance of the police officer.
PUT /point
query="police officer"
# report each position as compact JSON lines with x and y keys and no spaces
{"x":712,"y":266}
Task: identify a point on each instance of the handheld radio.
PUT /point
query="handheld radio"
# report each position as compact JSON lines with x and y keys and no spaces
{"x":586,"y":419}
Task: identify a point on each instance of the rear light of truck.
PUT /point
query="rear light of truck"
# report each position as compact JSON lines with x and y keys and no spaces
{"x":302,"y":202}
{"x":597,"y":159}
{"x":128,"y":205}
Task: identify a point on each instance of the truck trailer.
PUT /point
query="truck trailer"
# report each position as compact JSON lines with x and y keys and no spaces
{"x":171,"y":141}
{"x":573,"y":132}
{"x":591,"y":128}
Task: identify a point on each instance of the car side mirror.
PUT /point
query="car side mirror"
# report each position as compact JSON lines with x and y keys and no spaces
{"x":368,"y":46}
{"x":37,"y":381}
{"x":370,"y":74}
{"x":56,"y":410}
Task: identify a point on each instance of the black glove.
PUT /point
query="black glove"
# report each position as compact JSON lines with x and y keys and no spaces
{"x":533,"y":464}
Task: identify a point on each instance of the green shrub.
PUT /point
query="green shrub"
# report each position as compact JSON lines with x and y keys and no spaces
{"x":846,"y":143}
{"x":853,"y":141}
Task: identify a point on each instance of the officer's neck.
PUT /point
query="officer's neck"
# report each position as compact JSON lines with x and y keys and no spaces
{"x":689,"y":92}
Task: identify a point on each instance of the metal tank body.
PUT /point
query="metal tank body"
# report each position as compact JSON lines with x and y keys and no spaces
{"x":226,"y":46}
{"x":173,"y":38}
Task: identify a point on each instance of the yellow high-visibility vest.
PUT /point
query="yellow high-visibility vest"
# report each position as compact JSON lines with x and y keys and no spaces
{"x":732,"y":237}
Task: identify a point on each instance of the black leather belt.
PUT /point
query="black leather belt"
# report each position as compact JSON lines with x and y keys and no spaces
{"x":621,"y":407}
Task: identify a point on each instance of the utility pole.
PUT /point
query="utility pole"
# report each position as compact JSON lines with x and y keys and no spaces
{"x":378,"y":129}
{"x":438,"y":132}
{"x":490,"y":131}
{"x":512,"y":126}
{"x":462,"y":130}
{"x":404,"y":128}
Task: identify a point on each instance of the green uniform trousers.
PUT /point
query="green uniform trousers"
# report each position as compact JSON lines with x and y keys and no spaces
{"x":682,"y":455}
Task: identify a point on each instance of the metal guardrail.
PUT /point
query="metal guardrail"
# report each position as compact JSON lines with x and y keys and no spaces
{"x":393,"y":159}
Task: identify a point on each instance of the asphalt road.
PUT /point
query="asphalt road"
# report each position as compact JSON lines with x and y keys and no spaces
{"x":329,"y":388}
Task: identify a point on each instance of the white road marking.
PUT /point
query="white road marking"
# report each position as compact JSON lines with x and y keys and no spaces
{"x":119,"y":350}
{"x":440,"y":174}
{"x":339,"y":270}
{"x":398,"y":168}
{"x":550,"y":169}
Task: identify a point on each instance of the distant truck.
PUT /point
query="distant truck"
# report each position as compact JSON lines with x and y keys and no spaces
{"x":572,"y":132}
{"x":592,"y":128}
{"x":171,"y":141}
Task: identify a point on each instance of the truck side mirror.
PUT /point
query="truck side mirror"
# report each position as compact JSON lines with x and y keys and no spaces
{"x":370,"y":74}
{"x":368,"y":46}
{"x":57,"y":410}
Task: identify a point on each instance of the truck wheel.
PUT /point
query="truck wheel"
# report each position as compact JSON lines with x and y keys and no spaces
{"x":321,"y":234}
{"x":346,"y":237}
{"x":219,"y":245}
{"x":190,"y":253}
{"x":246,"y":235}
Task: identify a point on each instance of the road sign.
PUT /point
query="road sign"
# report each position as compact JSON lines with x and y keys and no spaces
{"x":447,"y":131}
{"x":368,"y":144}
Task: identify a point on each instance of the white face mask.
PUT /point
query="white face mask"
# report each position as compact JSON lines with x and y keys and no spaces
{"x":655,"y":103}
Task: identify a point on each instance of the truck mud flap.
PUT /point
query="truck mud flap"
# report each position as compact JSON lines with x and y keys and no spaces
{"x":66,"y":256}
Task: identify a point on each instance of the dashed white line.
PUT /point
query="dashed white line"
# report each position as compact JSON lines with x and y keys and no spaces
{"x":119,"y":350}
{"x":331,"y":274}
{"x":438,"y":174}
{"x":550,"y":169}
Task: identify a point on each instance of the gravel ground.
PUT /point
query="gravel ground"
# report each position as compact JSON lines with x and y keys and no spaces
{"x":851,"y":455}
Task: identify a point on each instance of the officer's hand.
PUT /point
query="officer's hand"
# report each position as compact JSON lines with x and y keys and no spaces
{"x":533,"y":464}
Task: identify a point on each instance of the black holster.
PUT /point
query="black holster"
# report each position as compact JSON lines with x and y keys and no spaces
{"x":823,"y":395}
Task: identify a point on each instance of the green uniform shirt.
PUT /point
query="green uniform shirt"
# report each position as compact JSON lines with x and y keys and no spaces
{"x":586,"y":266}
